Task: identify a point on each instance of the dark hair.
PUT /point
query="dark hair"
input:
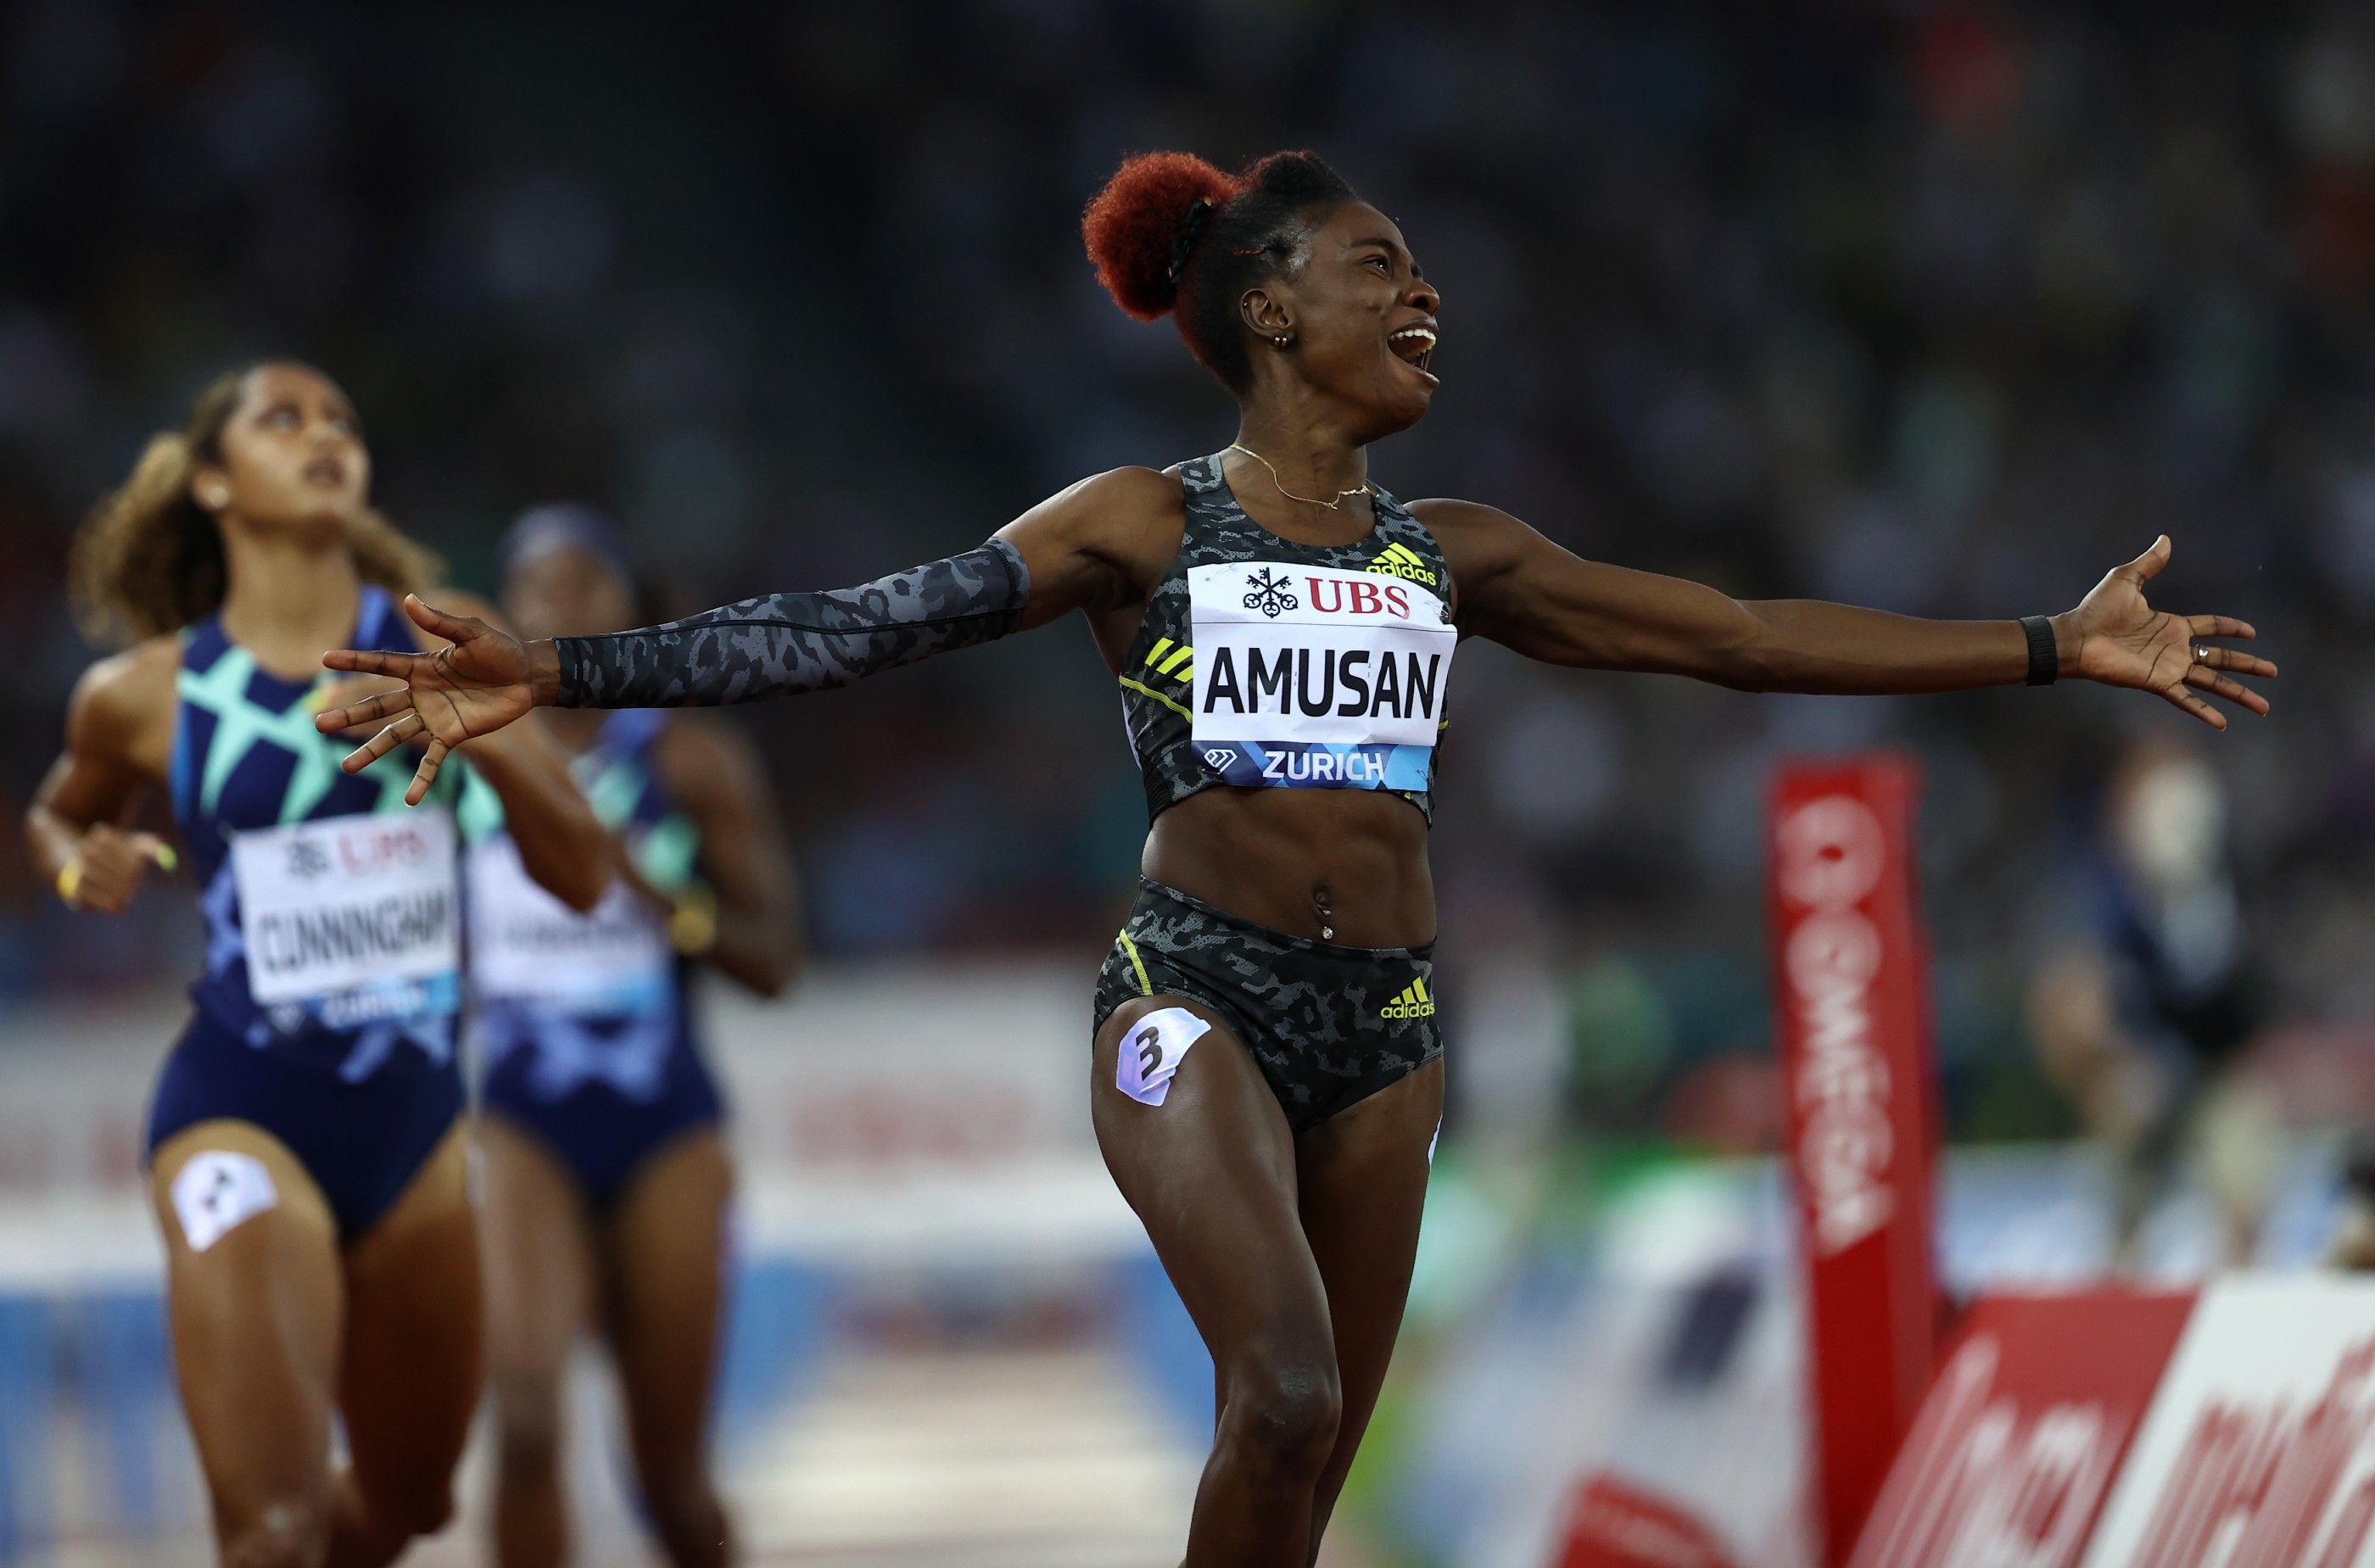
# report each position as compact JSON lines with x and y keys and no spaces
{"x":1153,"y":260}
{"x":576,"y":526}
{"x":148,"y":560}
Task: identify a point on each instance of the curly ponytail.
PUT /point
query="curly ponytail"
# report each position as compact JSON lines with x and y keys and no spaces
{"x":1157,"y":251}
{"x":148,"y":560}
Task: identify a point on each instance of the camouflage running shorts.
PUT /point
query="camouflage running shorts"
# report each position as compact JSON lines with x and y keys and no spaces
{"x":1328,"y":1026}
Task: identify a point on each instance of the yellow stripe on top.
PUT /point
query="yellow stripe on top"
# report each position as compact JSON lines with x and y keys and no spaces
{"x":1172,"y":664}
{"x":1418,"y":988}
{"x":1145,"y":987}
{"x":1162,"y":645}
{"x":1403,"y":550}
{"x":1145,"y":691}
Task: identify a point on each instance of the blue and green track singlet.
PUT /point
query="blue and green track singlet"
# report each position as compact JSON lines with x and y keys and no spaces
{"x":331,"y":909}
{"x":584,"y":1023}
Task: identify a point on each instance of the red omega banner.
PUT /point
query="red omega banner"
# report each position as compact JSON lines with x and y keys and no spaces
{"x":1851,"y":1012}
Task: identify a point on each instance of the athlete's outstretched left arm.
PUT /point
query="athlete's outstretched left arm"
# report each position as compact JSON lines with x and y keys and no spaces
{"x":1520,"y":589}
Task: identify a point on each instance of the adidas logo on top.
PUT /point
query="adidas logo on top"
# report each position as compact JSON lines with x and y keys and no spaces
{"x":1401,"y":560}
{"x":1413,"y":1002}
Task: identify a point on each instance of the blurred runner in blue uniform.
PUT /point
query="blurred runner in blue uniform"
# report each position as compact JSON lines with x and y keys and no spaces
{"x":607,"y":1174}
{"x":306,"y":1140}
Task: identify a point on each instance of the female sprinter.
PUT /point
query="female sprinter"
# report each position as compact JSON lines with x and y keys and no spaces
{"x":606,"y":1177}
{"x":1266,"y":1077}
{"x":304,"y":1146}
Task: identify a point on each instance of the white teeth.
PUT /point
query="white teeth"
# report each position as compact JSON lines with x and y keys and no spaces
{"x":1425,"y":334}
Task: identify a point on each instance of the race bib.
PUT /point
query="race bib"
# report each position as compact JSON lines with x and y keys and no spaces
{"x":350,"y":920}
{"x":1313,"y":676}
{"x":528,"y":946}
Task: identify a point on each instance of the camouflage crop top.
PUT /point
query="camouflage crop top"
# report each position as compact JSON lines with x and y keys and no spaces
{"x":1266,"y":663}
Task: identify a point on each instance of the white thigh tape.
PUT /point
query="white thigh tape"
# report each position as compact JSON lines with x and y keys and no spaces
{"x":217,"y":1191}
{"x":1151,"y":1052}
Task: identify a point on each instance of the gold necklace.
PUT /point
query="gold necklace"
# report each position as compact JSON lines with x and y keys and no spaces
{"x":1341,"y":496}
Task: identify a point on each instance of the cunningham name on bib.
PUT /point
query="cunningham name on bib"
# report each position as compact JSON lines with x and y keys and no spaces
{"x":350,"y":920}
{"x":1314,"y":676}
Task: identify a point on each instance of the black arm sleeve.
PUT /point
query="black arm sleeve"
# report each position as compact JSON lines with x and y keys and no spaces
{"x":786,"y":643}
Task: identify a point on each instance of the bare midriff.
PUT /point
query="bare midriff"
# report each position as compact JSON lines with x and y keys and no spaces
{"x":1342,"y":866}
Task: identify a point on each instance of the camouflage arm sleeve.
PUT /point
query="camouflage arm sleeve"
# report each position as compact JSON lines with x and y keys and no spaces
{"x":786,"y":643}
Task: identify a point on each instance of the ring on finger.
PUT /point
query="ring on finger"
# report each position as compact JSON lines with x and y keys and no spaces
{"x":2201,"y":654}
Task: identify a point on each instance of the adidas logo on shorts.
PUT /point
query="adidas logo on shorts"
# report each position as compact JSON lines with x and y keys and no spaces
{"x":1413,"y":1002}
{"x":1401,"y":560}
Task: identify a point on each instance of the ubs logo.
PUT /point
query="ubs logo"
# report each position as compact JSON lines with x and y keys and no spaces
{"x":1331,"y":596}
{"x":306,"y":859}
{"x":1270,"y":593}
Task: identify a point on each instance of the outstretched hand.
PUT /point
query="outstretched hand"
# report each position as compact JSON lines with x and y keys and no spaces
{"x":2122,"y":641}
{"x":483,"y":680}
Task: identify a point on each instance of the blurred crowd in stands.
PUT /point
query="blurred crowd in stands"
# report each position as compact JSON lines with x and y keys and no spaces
{"x":1941,"y":307}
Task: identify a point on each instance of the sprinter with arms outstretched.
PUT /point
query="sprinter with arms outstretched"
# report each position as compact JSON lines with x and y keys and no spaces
{"x":1267,"y":1079}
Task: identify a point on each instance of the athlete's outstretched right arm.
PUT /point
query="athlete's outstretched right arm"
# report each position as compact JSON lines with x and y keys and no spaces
{"x":1078,"y":550}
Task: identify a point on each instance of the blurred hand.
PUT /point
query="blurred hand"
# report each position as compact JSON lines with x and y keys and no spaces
{"x":109,"y":867}
{"x":479,"y":683}
{"x":2122,"y":641}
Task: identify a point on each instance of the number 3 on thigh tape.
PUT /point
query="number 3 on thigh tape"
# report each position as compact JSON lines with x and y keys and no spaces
{"x":1151,"y":1052}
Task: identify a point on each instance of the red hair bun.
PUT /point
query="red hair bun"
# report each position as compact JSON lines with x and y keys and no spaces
{"x":1136,"y":219}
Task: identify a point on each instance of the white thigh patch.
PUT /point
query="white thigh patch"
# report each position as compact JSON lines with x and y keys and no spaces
{"x":1151,"y":1052}
{"x":217,"y":1191}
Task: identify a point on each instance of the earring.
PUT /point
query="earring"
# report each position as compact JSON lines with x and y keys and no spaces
{"x":219,"y":499}
{"x":1284,"y":338}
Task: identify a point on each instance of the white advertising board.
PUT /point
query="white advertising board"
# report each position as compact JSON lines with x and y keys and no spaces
{"x":2258,"y":1449}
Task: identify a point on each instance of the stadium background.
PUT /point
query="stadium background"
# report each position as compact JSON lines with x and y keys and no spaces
{"x":1943,"y":308}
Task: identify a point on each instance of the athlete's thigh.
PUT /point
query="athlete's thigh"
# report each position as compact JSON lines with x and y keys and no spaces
{"x":409,"y":1379}
{"x":1362,"y":1174}
{"x":1211,"y":1172}
{"x":253,"y":1296}
{"x":538,"y":1248}
{"x":663,"y":1262}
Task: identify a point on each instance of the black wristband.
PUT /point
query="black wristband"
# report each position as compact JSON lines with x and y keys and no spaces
{"x":2044,"y":659}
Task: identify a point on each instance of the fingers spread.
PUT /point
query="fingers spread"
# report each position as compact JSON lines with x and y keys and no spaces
{"x":430,"y":618}
{"x":380,"y":745}
{"x":2241,"y":662}
{"x":2209,"y":680}
{"x":2196,"y":707}
{"x":331,"y":720}
{"x":425,"y":775}
{"x":371,"y":661}
{"x":2146,"y":567}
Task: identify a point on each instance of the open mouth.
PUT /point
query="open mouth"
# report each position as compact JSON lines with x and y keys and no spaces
{"x":1414,"y":346}
{"x":327,"y":471}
